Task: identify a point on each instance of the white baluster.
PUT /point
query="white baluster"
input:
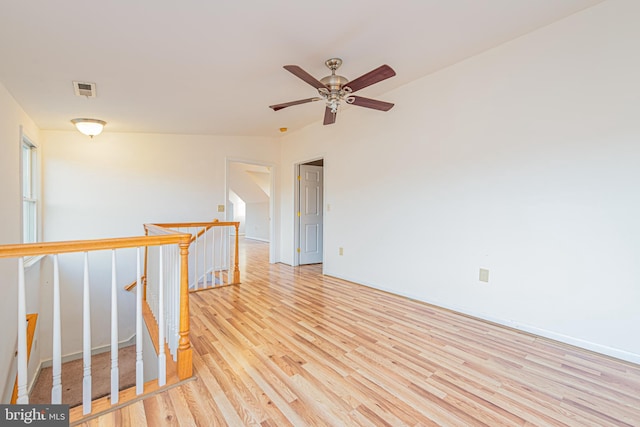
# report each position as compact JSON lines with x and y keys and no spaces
{"x":162,"y":363}
{"x":168,"y":295}
{"x":115,"y":371}
{"x":192,"y":254}
{"x":86,"y":340}
{"x":195,"y":267}
{"x":212,"y":267}
{"x":23,"y":397}
{"x":219,"y":257}
{"x":56,"y":389}
{"x":191,"y":284}
{"x":139,"y":361}
{"x":176,"y":301}
{"x":222,"y":255}
{"x":213,"y":257}
{"x":153,"y":284}
{"x":228,"y":254}
{"x":226,"y":251}
{"x":166,"y":254}
{"x":212,"y":249}
{"x":204,"y":257}
{"x":172,"y":300}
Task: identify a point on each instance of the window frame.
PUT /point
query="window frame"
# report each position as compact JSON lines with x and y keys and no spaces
{"x":29,"y":190}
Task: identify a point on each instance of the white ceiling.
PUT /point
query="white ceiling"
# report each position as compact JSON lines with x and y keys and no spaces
{"x":213,"y":67}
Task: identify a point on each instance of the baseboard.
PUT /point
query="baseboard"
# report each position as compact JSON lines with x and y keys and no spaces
{"x":68,"y":358}
{"x":75,"y":356}
{"x":102,"y":349}
{"x":587,"y":345}
{"x":552,"y":335}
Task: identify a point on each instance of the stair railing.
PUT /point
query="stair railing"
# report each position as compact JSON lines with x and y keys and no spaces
{"x":174,"y":263}
{"x":212,"y":253}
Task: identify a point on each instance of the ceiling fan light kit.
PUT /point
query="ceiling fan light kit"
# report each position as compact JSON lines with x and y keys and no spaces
{"x":335,"y":89}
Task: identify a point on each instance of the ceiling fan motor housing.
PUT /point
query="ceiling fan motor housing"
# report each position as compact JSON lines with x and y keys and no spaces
{"x":334,"y":82}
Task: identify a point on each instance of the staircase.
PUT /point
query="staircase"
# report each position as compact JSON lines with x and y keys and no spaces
{"x":161,"y":262}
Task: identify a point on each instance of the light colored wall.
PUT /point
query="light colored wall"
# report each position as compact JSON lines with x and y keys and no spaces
{"x":247,"y":184}
{"x":110,"y":186}
{"x":258,"y":221}
{"x":522,"y":160}
{"x":12,"y":117}
{"x":237,"y":211}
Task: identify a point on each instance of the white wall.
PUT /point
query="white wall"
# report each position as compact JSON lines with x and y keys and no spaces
{"x":258,"y":221}
{"x":251,"y":183}
{"x":237,"y":211}
{"x":111,"y":185}
{"x":12,"y":117}
{"x":247,"y":184}
{"x":523,"y":160}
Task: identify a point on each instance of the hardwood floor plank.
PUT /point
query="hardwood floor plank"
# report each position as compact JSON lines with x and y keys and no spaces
{"x":220,"y":411}
{"x":180,"y":403}
{"x":291,"y":347}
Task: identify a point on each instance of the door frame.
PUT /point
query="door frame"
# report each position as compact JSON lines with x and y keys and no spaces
{"x":296,"y":209}
{"x":272,"y":198}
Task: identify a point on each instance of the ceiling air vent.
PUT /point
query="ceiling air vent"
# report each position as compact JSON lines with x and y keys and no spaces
{"x":85,"y":89}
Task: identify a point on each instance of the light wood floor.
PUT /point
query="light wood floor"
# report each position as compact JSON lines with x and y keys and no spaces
{"x":292,"y":347}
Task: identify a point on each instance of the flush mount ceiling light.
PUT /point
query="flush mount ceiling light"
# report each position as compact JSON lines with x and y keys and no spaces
{"x":89,"y":127}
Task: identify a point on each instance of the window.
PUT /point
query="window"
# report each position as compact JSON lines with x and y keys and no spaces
{"x":29,"y":192}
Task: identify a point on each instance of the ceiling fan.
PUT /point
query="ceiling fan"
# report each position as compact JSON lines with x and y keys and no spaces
{"x":335,"y":89}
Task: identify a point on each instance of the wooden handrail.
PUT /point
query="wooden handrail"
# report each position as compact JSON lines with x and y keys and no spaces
{"x":204,"y":230}
{"x":166,"y":237}
{"x":160,"y":235}
{"x":168,"y":228}
{"x":51,"y":248}
{"x":214,"y":223}
{"x":133,"y":284}
{"x":160,"y":230}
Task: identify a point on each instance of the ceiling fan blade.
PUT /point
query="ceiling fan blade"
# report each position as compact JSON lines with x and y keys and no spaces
{"x":381,"y":73}
{"x":289,"y":104}
{"x":329,"y":117}
{"x":371,"y":103}
{"x":302,"y":74}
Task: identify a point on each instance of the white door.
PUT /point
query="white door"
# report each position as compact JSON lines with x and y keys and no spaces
{"x":310,"y":214}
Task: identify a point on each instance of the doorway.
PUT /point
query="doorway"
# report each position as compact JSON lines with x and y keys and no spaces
{"x":309,"y":221}
{"x":250,"y":200}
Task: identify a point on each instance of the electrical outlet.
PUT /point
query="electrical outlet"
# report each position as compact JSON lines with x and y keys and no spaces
{"x":484,"y":275}
{"x":220,"y":208}
{"x":340,"y":251}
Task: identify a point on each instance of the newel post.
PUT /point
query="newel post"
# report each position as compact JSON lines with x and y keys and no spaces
{"x":185,"y":362}
{"x":236,"y":270}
